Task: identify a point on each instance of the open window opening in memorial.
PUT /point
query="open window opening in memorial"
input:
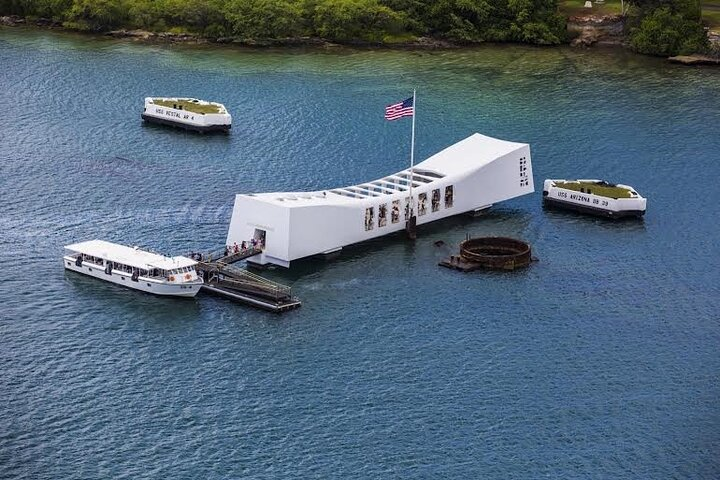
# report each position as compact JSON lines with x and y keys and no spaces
{"x":382,"y":215}
{"x":449,"y":193}
{"x":395,"y":212}
{"x":435,"y":200}
{"x":427,"y":173}
{"x":259,"y":236}
{"x":369,"y":218}
{"x":422,"y":204}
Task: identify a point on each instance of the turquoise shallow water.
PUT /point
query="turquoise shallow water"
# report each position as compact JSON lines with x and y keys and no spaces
{"x":599,"y":361}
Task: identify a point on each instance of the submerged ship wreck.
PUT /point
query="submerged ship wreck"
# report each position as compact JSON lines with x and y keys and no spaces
{"x":468,"y":176}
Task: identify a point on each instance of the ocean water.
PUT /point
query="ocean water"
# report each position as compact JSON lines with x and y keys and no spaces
{"x":599,"y":361}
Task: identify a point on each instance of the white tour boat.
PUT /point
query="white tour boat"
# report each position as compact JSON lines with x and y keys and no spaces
{"x":134,"y":268}
{"x":187,"y":113}
{"x":469,"y":176}
{"x":595,"y":197}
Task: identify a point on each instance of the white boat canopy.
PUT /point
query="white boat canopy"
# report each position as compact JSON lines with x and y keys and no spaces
{"x":133,"y":257}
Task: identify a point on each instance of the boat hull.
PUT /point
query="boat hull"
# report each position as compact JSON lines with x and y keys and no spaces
{"x":186,"y":126}
{"x":143,"y":284}
{"x":563,"y":205}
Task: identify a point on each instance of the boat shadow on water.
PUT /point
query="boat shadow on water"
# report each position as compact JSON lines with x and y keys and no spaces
{"x":560,"y":216}
{"x":172,"y":130}
{"x":119,"y":298}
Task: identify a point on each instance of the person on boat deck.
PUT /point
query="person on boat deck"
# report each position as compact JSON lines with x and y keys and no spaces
{"x":243,"y":246}
{"x":235,"y":247}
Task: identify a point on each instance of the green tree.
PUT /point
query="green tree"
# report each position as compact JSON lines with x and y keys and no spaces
{"x":459,"y":19}
{"x":665,"y":33}
{"x":96,"y":15}
{"x":265,"y":18}
{"x":348,"y":20}
{"x":195,"y":15}
{"x":39,"y":8}
{"x":414,"y":12}
{"x":528,"y":21}
{"x":142,"y":14}
{"x":535,"y":21}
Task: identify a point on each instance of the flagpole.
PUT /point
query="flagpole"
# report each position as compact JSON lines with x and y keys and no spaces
{"x":412,"y":221}
{"x":412,"y":155}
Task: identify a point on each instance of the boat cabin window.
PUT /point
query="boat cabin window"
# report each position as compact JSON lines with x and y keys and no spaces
{"x":92,"y":259}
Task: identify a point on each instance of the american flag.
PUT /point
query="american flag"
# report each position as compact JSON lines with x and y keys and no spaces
{"x":399,"y":110}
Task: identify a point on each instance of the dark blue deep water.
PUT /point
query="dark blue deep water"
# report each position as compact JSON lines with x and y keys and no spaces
{"x":600,"y":361}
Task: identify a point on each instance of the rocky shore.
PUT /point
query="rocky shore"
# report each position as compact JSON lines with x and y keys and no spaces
{"x":14,"y":21}
{"x":695,"y":60}
{"x":143,"y":35}
{"x":597,"y":29}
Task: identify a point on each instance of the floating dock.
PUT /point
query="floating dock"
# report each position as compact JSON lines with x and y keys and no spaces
{"x":224,"y":279}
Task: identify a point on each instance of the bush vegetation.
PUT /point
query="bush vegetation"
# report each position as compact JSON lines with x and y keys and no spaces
{"x":656,"y":27}
{"x":667,"y":27}
{"x":529,"y":21}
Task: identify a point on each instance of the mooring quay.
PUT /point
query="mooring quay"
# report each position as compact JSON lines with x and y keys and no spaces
{"x":222,"y":278}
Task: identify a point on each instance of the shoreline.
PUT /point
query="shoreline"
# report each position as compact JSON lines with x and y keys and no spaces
{"x":145,"y":36}
{"x":575,"y":24}
{"x":586,"y":31}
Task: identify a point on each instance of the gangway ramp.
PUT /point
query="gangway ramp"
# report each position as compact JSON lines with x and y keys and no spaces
{"x":238,"y":284}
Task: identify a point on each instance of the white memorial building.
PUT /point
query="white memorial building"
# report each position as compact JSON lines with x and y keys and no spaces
{"x":468,"y":176}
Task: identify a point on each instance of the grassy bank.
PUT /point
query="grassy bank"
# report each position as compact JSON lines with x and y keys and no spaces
{"x":188,"y":105}
{"x":602,"y":190}
{"x":710,"y":10}
{"x":573,"y":8}
{"x":711,"y":14}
